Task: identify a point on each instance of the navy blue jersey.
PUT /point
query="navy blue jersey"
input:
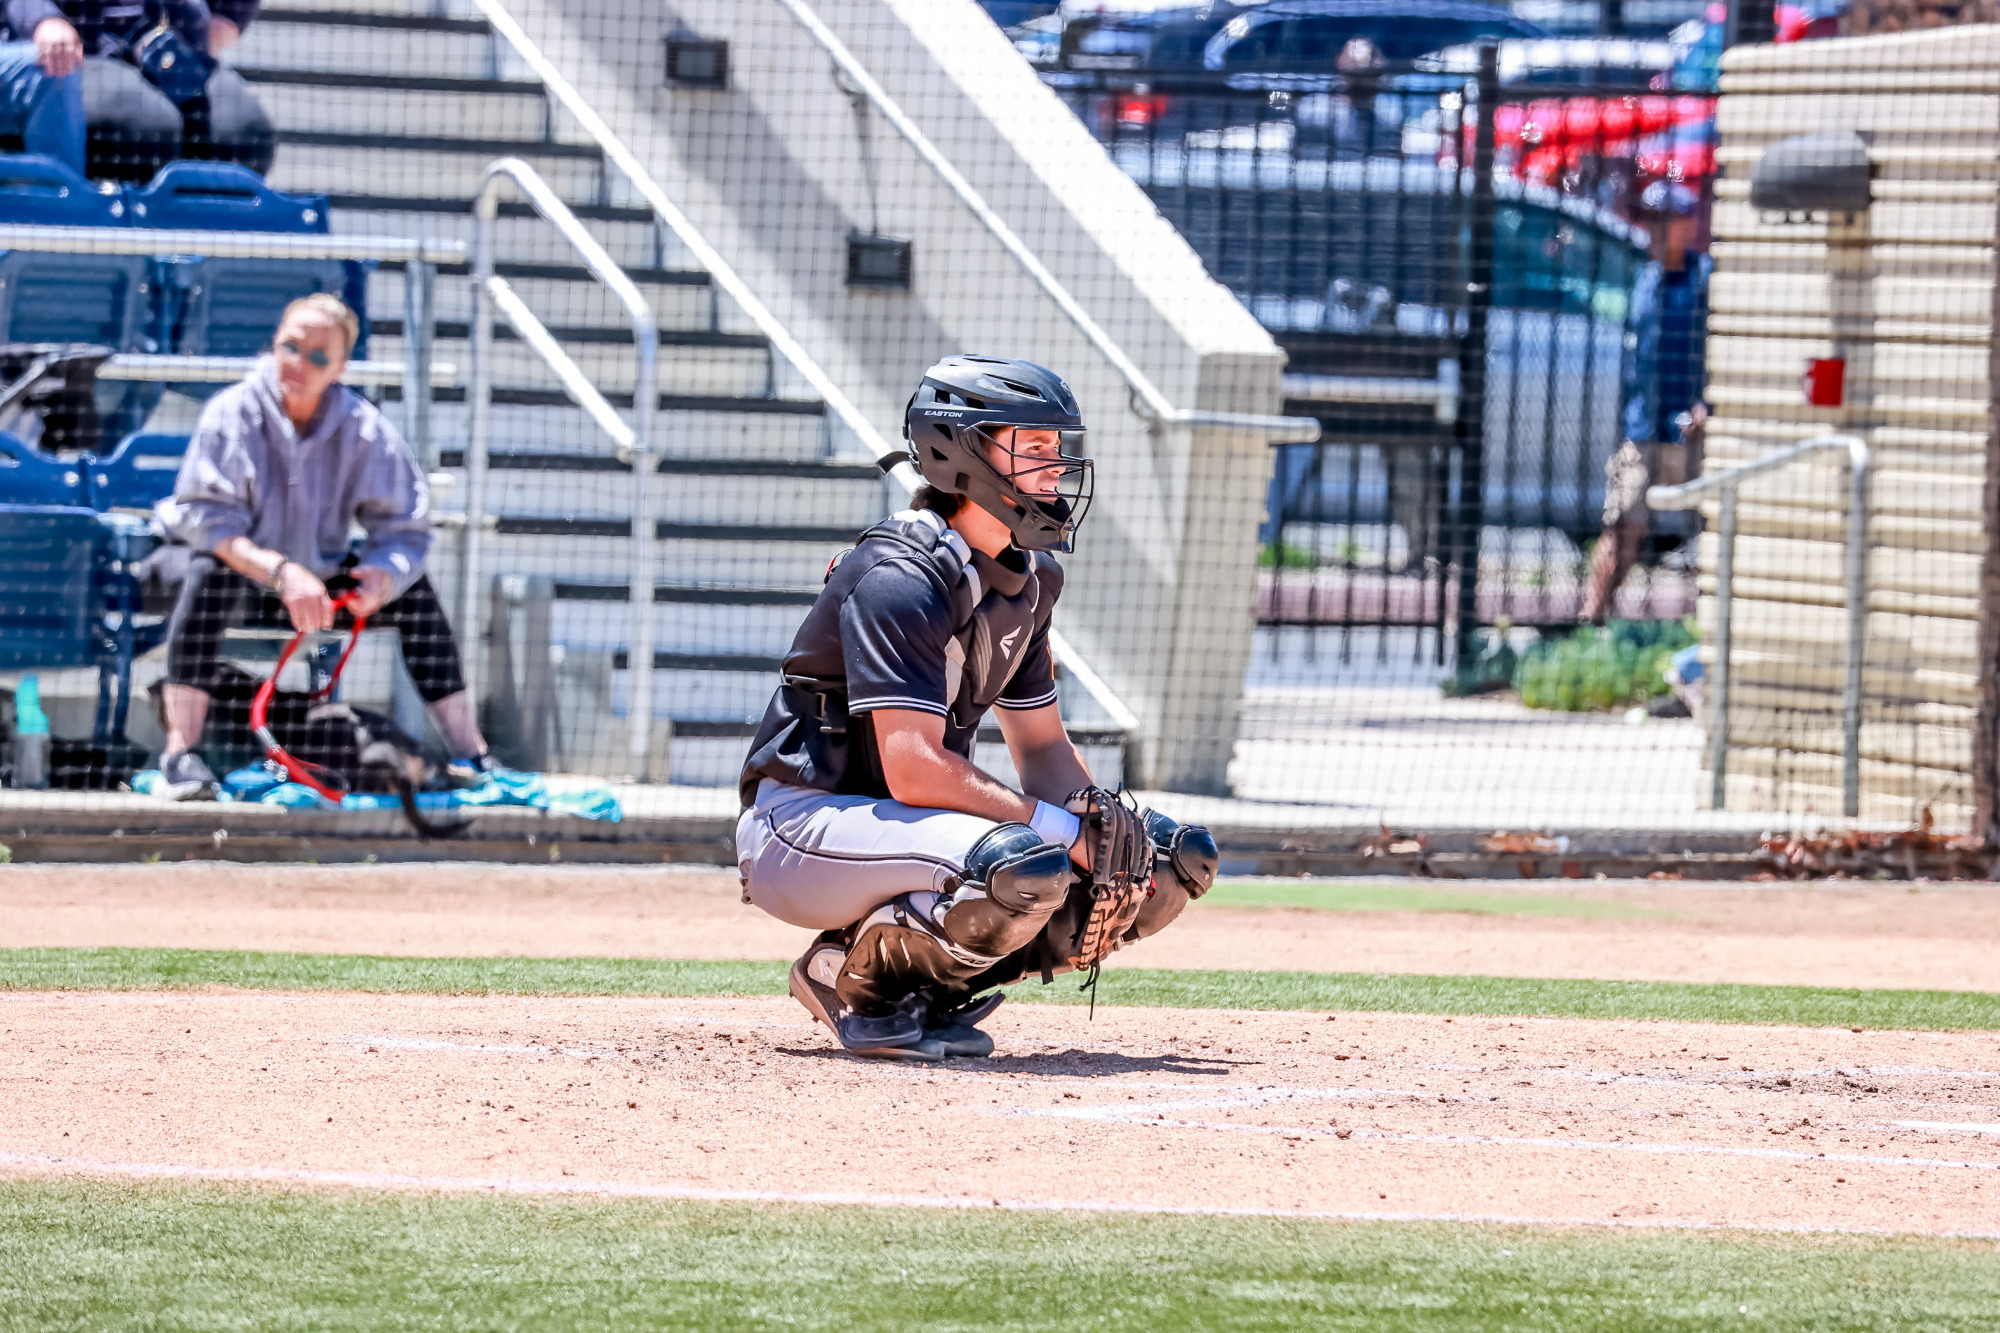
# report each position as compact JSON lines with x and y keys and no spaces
{"x":909,"y":619}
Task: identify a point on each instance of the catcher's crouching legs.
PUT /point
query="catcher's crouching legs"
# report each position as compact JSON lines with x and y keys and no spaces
{"x":932,"y":945}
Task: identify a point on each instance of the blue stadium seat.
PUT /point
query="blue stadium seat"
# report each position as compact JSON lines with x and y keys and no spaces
{"x":104,"y":299}
{"x":221,"y":196}
{"x":56,"y":298}
{"x":69,"y":598}
{"x":138,"y":474}
{"x":48,"y":567}
{"x":30,"y":477}
{"x":43,"y":192}
{"x":228,"y":307}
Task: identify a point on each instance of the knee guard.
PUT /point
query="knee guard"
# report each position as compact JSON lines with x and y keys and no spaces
{"x":1185,"y":853}
{"x":1185,"y":860}
{"x":1013,"y":881}
{"x":1184,"y":864}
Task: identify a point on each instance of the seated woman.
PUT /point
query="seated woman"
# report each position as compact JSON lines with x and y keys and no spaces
{"x":280,"y":468}
{"x":142,"y":114}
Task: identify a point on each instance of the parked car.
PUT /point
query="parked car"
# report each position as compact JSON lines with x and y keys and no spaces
{"x":1280,"y":36}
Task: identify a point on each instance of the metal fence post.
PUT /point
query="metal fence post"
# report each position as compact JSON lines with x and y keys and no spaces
{"x":480,"y":394}
{"x":1469,"y":430}
{"x":419,"y":314}
{"x":1725,"y":591}
{"x":1859,"y":470}
{"x":645,"y":476}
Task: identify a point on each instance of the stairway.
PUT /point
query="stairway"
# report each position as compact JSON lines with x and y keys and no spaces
{"x":394,"y":110}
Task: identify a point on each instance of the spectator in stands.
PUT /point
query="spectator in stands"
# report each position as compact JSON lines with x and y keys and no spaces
{"x":280,"y":469}
{"x":152,"y":90}
{"x":41,"y":86}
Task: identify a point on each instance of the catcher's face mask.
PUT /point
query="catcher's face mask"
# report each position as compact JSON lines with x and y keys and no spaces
{"x":1042,"y":469}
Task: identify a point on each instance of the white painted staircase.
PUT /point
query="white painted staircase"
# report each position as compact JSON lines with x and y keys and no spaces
{"x":394,"y":109}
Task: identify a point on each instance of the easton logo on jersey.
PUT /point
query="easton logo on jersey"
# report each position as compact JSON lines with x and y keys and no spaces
{"x":1007,"y":643}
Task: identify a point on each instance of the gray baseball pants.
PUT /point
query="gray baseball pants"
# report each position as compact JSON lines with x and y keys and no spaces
{"x":823,"y":862}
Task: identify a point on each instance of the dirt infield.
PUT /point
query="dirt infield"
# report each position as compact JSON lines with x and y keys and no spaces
{"x":1355,"y":1114}
{"x":1944,"y":937}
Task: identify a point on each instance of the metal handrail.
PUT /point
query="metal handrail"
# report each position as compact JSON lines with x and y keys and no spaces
{"x":768,"y":325}
{"x":634,"y":443}
{"x":229,"y":369}
{"x":1726,"y":484}
{"x":1147,"y":399}
{"x":227,"y":244}
{"x":706,"y":255}
{"x":537,"y":336}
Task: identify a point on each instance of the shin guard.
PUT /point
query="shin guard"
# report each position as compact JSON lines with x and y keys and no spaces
{"x":1013,"y":881}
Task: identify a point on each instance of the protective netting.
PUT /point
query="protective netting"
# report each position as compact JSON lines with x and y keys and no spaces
{"x":1515,"y":269}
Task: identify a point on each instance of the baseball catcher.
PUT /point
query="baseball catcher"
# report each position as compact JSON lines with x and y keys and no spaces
{"x":932,"y":883}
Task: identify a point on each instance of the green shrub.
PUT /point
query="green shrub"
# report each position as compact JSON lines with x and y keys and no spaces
{"x":1592,"y":668}
{"x":1289,"y":555}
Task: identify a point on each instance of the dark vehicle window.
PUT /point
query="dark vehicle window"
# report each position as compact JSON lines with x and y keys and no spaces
{"x":1291,"y":43}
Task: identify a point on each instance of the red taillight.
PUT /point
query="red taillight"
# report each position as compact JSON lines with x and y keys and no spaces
{"x":1141,"y":110}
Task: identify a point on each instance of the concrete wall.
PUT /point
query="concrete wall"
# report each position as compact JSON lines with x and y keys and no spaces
{"x":772,"y":171}
{"x":1903,"y":292}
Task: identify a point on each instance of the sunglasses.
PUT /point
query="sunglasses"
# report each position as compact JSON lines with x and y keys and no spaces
{"x":316,"y":358}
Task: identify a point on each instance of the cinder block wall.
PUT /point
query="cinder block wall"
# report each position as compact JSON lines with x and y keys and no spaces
{"x":1160,"y":592}
{"x":1903,"y":292}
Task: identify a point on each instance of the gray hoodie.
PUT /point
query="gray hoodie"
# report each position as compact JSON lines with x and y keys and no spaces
{"x":248,"y":473}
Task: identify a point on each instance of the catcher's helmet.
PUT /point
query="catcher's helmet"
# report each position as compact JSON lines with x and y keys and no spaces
{"x":948,"y":426}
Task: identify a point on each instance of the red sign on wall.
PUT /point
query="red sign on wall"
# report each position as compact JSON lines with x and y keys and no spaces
{"x":1826,"y":381}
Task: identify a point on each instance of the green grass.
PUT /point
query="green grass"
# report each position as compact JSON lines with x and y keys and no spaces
{"x":147,"y":969}
{"x":1339,"y":896}
{"x":164,"y":1257}
{"x":1809,"y":1006}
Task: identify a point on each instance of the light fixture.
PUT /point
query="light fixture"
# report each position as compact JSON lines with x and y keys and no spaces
{"x":697,"y":62}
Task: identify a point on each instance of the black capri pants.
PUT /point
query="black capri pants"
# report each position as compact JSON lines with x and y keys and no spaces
{"x":215,"y":598}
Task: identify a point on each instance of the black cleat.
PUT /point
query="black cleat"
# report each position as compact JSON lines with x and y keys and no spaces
{"x":895,"y":1036}
{"x":957,"y":1031}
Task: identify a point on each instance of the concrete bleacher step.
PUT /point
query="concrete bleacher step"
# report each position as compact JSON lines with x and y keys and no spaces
{"x":376,"y":44}
{"x":517,"y":112}
{"x":605,"y":356}
{"x":534,"y":395}
{"x":739,"y":627}
{"x":734,"y":505}
{"x":629,"y":236}
{"x":756,"y":437}
{"x":683,"y":303}
{"x":428,"y":169}
{"x":778,"y":558}
{"x":721,"y":523}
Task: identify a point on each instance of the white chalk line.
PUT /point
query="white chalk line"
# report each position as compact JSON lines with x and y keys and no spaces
{"x":1950,"y":1126}
{"x":379,"y":1180}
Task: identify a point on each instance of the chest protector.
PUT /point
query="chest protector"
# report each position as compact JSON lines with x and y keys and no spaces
{"x":993,"y":610}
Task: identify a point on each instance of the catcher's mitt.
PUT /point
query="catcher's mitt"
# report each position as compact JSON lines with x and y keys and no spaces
{"x":1121,"y":873}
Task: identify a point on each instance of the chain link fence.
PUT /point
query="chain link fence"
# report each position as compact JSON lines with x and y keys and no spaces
{"x":1511,"y":282}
